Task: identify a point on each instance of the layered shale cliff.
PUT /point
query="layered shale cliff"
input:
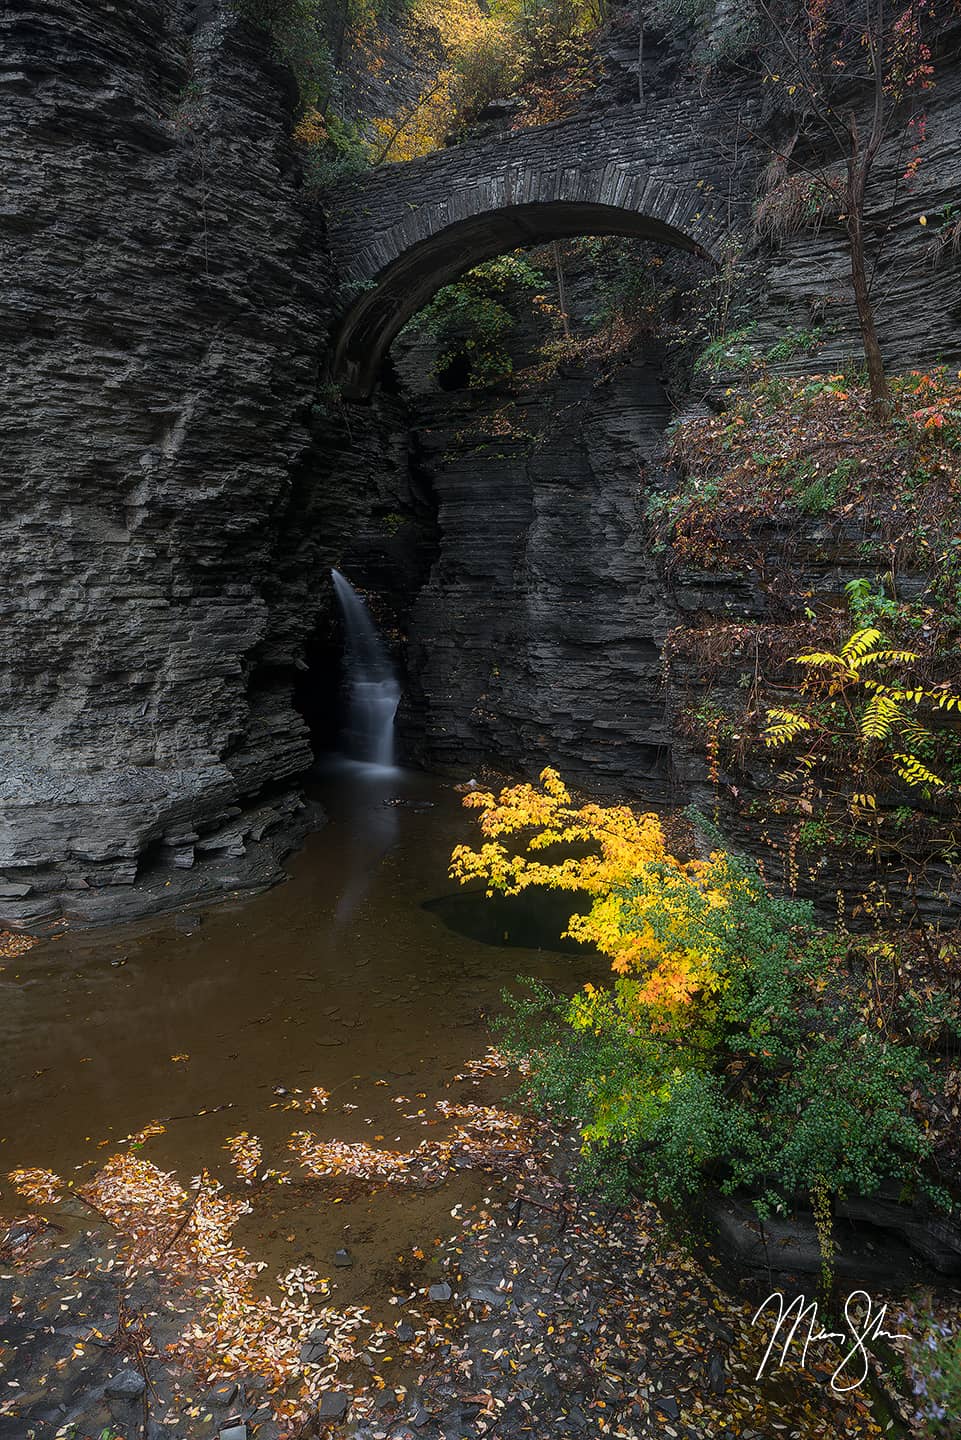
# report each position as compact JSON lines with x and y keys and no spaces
{"x":179,"y":474}
{"x":536,"y":638}
{"x":165,"y":295}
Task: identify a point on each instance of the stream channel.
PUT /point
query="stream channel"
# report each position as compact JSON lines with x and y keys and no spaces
{"x":368,"y":973}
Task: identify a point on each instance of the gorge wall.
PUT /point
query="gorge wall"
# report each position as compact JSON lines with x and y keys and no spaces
{"x":179,"y":478}
{"x":536,"y":638}
{"x":164,"y":295}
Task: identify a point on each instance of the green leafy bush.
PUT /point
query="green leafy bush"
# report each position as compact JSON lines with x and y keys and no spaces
{"x":731,"y":351}
{"x":299,"y":36}
{"x":868,"y":603}
{"x":795,"y":342}
{"x":337,"y":153}
{"x":822,"y":493}
{"x":308,"y":37}
{"x":776,"y":1085}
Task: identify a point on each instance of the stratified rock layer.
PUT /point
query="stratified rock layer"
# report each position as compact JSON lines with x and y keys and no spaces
{"x":178,"y":480}
{"x":164,"y":299}
{"x":537,"y":637}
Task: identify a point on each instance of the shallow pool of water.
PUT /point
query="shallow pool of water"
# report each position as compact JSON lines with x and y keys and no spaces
{"x":368,"y":973}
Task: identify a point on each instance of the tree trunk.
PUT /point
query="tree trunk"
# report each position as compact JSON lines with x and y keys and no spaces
{"x":561,"y":291}
{"x":341,"y":35}
{"x":640,"y":52}
{"x":880,"y":394}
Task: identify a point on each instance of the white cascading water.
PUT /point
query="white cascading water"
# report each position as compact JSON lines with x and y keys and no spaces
{"x":373,"y":693}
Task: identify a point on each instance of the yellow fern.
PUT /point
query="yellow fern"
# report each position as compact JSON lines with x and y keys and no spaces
{"x":893,"y":657}
{"x":913,"y":731}
{"x":860,"y":644}
{"x":881,"y":715}
{"x":824,"y":658}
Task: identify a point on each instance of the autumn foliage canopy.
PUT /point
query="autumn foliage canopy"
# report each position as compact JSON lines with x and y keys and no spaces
{"x":648,"y":907}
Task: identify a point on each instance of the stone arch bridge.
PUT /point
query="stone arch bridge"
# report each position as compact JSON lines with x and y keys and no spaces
{"x":674,"y":172}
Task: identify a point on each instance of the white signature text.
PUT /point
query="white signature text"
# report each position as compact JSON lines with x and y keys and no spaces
{"x":796,"y":1324}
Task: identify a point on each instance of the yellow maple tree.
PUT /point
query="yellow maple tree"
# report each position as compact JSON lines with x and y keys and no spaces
{"x":647,"y":906}
{"x":485,"y":51}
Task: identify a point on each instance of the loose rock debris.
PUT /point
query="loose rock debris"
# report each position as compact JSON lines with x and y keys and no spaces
{"x":554,"y":1316}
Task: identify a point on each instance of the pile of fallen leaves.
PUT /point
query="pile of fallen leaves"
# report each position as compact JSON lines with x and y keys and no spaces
{"x":183,"y":1236}
{"x":11,"y":944}
{"x":606,"y":1304}
{"x":787,"y":448}
{"x":487,"y":1139}
{"x":572,"y":1315}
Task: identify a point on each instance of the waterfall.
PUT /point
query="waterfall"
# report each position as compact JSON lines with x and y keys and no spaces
{"x":373,"y":693}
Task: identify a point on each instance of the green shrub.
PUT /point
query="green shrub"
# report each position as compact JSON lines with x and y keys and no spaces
{"x":780,"y":1084}
{"x":795,"y":342}
{"x":823,"y":492}
{"x":338,"y":155}
{"x":868,"y":603}
{"x":297,"y":30}
{"x":732,"y":351}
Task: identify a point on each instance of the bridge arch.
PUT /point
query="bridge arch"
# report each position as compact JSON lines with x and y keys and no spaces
{"x":410,"y":229}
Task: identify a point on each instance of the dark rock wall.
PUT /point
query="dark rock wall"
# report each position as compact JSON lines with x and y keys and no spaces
{"x":177,"y":481}
{"x":358,"y":501}
{"x":916,"y":289}
{"x":536,"y":638}
{"x":165,"y":298}
{"x":806,"y":282}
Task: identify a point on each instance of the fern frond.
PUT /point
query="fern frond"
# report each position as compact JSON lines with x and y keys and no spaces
{"x":783,"y":726}
{"x":823,"y":658}
{"x":860,"y":643}
{"x":913,"y":731}
{"x":915,"y":696}
{"x":895,"y":657}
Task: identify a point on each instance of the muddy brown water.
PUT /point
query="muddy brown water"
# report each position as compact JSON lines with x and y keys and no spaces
{"x":368,"y":972}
